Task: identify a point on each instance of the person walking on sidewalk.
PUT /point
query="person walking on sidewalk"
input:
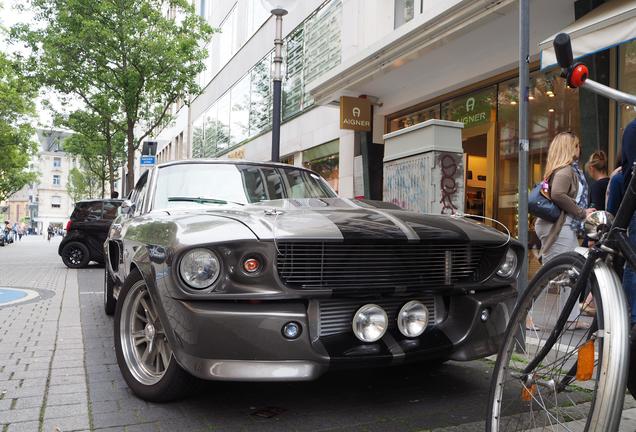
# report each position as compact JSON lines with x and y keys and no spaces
{"x":568,"y":191}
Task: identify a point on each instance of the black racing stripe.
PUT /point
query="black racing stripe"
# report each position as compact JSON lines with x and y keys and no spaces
{"x":432,"y":228}
{"x":363,"y":225}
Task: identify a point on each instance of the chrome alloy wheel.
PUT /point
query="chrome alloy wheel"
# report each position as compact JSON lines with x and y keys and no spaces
{"x":143,"y":340}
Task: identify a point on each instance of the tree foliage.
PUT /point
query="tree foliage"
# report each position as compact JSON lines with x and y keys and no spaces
{"x":141,"y":55}
{"x":77,"y":186}
{"x":16,"y":113}
{"x":100,"y":147}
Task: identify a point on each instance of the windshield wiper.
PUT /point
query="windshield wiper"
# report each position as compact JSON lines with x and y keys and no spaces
{"x":202,"y":200}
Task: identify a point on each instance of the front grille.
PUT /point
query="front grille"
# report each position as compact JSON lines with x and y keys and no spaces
{"x":336,"y":314}
{"x":316,"y":265}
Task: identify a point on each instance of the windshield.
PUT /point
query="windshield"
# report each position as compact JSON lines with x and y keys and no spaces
{"x":235,"y":183}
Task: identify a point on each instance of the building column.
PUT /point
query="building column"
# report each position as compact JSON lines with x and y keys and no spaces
{"x":345,"y":164}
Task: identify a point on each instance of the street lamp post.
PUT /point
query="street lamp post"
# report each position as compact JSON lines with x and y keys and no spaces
{"x":278,"y":8}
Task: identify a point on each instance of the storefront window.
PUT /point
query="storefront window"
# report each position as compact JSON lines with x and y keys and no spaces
{"x":261,"y":96}
{"x":324,"y":160}
{"x":293,"y":85}
{"x":419,"y":116}
{"x":478,"y":112}
{"x":197,"y":138}
{"x":211,"y":132}
{"x":627,"y":83}
{"x":239,"y":124}
{"x":553,"y":108}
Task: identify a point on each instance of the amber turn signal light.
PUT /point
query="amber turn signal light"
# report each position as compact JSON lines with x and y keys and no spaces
{"x":251,"y":265}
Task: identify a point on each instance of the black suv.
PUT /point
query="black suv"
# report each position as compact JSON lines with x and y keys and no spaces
{"x":86,"y":232}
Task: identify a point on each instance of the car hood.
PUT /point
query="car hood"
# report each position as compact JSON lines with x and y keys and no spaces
{"x":339,"y":219}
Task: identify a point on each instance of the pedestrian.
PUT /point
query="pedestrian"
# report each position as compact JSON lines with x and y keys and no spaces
{"x":568,"y":191}
{"x":617,"y":186}
{"x":50,"y":232}
{"x":596,"y":167}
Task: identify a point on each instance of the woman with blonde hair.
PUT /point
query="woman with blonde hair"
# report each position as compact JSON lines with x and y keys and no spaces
{"x":568,"y":191}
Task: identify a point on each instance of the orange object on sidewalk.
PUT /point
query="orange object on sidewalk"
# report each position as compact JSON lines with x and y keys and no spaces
{"x":585,"y":362}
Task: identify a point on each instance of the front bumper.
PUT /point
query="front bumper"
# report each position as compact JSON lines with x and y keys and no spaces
{"x":242,"y":341}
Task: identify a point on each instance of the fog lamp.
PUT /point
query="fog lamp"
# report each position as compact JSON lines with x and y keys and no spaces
{"x":292,"y":330}
{"x":509,"y":265}
{"x":412,"y":319}
{"x":370,"y":323}
{"x":251,"y":265}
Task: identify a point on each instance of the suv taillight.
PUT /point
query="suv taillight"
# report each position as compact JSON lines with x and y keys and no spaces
{"x":68,"y":226}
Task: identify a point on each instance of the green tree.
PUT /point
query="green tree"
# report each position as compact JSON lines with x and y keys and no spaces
{"x":143,"y":55}
{"x":99,"y":145}
{"x":76,"y":186}
{"x":16,"y":113}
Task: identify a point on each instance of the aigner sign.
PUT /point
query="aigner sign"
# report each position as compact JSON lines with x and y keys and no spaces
{"x":355,"y":114}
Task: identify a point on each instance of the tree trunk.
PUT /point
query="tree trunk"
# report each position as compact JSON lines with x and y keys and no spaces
{"x":130,"y":140}
{"x":109,"y":160}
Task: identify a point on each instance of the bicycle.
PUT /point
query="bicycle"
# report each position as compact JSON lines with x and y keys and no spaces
{"x":556,"y":376}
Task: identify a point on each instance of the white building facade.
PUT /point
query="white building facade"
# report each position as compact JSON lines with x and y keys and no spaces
{"x":54,"y":204}
{"x":416,"y":60}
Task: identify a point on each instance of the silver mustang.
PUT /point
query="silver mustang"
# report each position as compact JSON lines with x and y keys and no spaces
{"x":228,"y":270}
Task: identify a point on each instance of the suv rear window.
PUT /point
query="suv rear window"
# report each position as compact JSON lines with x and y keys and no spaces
{"x":110,"y":209}
{"x":87,"y":211}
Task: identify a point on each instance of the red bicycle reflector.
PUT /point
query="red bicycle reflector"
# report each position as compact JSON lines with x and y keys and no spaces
{"x":251,"y":265}
{"x":585,"y":361}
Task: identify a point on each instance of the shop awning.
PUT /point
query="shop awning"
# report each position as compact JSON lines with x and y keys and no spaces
{"x":609,"y":25}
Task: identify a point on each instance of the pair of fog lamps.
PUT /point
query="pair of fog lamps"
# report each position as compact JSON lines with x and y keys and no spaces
{"x":370,"y":322}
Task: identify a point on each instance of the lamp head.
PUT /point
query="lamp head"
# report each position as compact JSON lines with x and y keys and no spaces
{"x":279,"y":7}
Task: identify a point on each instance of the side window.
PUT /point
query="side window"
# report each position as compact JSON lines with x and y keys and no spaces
{"x":94,"y":211}
{"x":80,"y":213}
{"x":140,"y":193}
{"x":110,"y":209}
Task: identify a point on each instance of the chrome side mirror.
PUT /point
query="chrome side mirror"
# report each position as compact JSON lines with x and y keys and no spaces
{"x":596,"y":223}
{"x":127,"y":207}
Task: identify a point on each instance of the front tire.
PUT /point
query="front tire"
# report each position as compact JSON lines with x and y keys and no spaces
{"x":144,"y":356}
{"x":550,"y":396}
{"x":75,"y":255}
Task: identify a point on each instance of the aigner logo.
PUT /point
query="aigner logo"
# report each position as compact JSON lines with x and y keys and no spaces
{"x":356,"y":112}
{"x":470,"y":104}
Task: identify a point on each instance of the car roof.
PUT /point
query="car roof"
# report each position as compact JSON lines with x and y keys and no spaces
{"x":99,"y":200}
{"x":229,"y":162}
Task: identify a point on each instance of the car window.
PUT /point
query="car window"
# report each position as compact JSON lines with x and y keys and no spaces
{"x":140,"y":193}
{"x":94,"y":211}
{"x":80,"y":212}
{"x":241,"y":183}
{"x":110,"y":209}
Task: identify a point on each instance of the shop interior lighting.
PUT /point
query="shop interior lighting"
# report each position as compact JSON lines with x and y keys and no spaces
{"x":551,"y":110}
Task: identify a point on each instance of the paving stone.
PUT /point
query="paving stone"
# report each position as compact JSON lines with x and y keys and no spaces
{"x":67,"y":424}
{"x":57,"y":411}
{"x":29,"y":402}
{"x":31,"y":426}
{"x":65,"y":399}
{"x":21,"y":415}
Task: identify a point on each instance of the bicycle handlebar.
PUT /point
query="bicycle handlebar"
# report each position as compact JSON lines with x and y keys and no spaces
{"x":563,"y":50}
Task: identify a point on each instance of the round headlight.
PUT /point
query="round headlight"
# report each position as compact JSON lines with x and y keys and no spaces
{"x":509,"y":264}
{"x":200,"y":268}
{"x":370,"y":323}
{"x":412,"y":319}
{"x":596,"y":223}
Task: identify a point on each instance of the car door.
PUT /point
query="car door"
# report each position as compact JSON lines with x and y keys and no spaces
{"x":136,"y":209}
{"x":91,"y":227}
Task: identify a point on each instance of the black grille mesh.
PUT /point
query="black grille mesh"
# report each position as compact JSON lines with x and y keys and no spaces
{"x":315,"y":265}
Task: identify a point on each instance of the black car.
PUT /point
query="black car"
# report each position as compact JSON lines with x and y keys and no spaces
{"x":86,"y":232}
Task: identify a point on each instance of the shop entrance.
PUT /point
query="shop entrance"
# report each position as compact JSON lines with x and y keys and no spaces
{"x":478,"y":112}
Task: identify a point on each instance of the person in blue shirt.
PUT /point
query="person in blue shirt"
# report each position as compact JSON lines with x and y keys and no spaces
{"x":617,"y":186}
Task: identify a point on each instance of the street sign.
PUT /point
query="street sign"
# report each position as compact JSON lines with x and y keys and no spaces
{"x":148,"y":160}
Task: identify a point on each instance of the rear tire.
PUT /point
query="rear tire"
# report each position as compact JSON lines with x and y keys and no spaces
{"x":75,"y":255}
{"x":143,"y":353}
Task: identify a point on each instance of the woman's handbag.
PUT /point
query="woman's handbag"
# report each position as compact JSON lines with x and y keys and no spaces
{"x":540,"y":204}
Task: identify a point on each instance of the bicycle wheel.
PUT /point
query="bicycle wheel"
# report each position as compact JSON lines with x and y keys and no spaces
{"x":556,"y":395}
